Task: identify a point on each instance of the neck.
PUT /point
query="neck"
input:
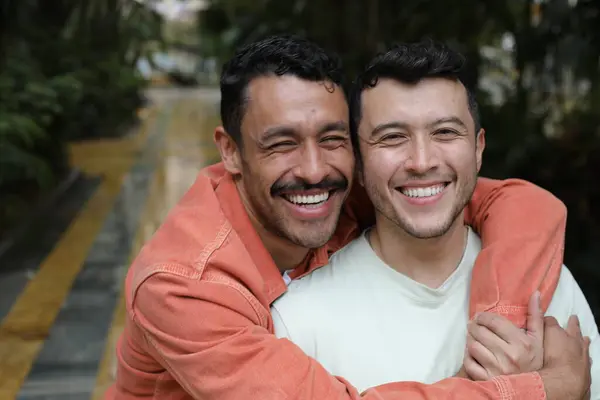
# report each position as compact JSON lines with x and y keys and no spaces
{"x":286,"y":254}
{"x":427,"y":261}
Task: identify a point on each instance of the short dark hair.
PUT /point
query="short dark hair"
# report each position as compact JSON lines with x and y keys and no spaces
{"x":275,"y":55}
{"x":410,"y":63}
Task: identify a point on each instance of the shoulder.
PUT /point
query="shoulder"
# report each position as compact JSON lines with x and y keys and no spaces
{"x":568,"y":299}
{"x":192,"y":228}
{"x":565,"y":294}
{"x":195,"y":242}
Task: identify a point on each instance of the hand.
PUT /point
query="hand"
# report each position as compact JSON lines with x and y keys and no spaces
{"x":462,"y":373}
{"x":567,"y":365}
{"x":495,"y":346}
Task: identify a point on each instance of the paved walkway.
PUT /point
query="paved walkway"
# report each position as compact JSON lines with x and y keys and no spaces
{"x":61,"y":306}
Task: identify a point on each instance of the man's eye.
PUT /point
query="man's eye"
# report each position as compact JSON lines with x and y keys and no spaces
{"x":333,"y":139}
{"x":333,"y":142}
{"x":392,"y":138}
{"x":445,"y":132}
{"x":280,"y":146}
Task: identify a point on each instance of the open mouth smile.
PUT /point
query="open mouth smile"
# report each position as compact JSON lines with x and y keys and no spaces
{"x":310,"y":205}
{"x":423,"y":194}
{"x":308,"y":200}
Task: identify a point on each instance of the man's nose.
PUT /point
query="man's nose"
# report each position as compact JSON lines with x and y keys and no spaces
{"x":422,"y":157}
{"x":312,"y":167}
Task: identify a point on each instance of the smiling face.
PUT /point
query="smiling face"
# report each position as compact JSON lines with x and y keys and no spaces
{"x":420,"y":153}
{"x":296,"y":164}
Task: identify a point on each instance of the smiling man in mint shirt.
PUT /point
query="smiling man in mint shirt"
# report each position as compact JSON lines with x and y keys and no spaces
{"x":393,"y":304}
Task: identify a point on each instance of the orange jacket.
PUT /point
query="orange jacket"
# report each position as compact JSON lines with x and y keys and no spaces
{"x":198,"y":298}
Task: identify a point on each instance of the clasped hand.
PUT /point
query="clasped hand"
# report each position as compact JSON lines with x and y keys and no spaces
{"x":495,"y":346}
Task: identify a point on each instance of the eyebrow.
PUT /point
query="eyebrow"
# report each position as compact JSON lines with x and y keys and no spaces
{"x":286,"y":131}
{"x":451,"y":120}
{"x":277,"y":131}
{"x":339,"y":126}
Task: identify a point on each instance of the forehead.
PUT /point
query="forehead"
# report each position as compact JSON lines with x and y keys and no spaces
{"x":291,"y":101}
{"x":415,"y":104}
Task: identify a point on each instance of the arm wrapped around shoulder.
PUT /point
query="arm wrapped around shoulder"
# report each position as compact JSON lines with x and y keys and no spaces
{"x":522,"y":228}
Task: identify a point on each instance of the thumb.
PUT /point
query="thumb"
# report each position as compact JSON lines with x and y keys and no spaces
{"x":535,"y":318}
{"x":573,"y":327}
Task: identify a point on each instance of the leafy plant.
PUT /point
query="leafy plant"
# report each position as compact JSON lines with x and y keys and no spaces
{"x":67,"y":71}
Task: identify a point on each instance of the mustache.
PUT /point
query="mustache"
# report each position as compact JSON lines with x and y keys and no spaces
{"x":280,"y":187}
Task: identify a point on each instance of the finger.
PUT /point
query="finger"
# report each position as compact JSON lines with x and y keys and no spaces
{"x":586,"y":351}
{"x":535,"y":317}
{"x":481,"y":354}
{"x":554,"y":334}
{"x":485,"y":338}
{"x":475,"y":371}
{"x":502,"y":327}
{"x":550,"y":322}
{"x":573,"y":328}
{"x":587,"y":342}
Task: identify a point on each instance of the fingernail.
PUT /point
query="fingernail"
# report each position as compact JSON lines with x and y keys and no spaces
{"x":538,"y":296}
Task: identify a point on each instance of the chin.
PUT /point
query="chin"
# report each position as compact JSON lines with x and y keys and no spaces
{"x":427,"y":234}
{"x":311,"y":242}
{"x":312,"y":235}
{"x":427,"y":229}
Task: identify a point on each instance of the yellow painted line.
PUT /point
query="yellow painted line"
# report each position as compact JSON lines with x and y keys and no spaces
{"x":26,"y":327}
{"x":148,"y":224}
{"x":169,"y":183}
{"x":145,"y":229}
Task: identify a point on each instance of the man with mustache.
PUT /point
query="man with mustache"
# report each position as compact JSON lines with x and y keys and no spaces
{"x":198,"y":294}
{"x":393,"y":304}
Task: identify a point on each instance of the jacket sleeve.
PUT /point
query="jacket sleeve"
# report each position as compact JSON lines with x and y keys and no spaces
{"x":210,"y":337}
{"x":522,"y":227}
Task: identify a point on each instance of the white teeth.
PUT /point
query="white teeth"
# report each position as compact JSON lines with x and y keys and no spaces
{"x":308,"y":200}
{"x":423,"y":191}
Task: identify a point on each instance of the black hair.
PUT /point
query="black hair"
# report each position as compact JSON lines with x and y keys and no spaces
{"x":275,"y":55}
{"x":410,"y":63}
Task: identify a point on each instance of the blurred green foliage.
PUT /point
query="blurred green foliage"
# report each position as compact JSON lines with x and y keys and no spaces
{"x":535,"y":62}
{"x":67,"y":72}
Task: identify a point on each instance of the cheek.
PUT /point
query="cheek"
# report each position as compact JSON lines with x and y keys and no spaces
{"x":341,"y":159}
{"x":379,"y":166}
{"x":276,"y":169}
{"x":260,"y":176}
{"x":463,"y":162}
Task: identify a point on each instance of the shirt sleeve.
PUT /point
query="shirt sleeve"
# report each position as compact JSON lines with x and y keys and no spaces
{"x":569,"y":300}
{"x":211,"y":339}
{"x":522,"y":228}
